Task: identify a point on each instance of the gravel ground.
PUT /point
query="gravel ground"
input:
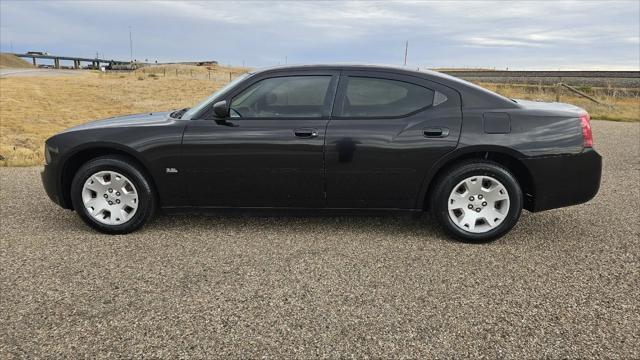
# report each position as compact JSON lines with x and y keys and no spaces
{"x":563,"y":283}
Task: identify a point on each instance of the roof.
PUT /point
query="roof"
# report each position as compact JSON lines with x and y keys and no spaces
{"x":344,"y":66}
{"x":431,"y":74}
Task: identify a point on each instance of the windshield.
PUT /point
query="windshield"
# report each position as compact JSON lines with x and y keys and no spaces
{"x":194,"y":110}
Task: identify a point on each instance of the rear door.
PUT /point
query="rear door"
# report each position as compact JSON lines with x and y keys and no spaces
{"x":269,"y":152}
{"x":386,"y":131}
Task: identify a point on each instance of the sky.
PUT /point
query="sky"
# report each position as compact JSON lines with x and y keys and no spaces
{"x":534,"y":35}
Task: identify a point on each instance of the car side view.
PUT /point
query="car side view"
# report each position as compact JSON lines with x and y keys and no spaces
{"x":332,"y":138}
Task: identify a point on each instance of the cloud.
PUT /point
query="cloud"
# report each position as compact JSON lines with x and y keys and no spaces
{"x":632,"y":40}
{"x":523,"y":34}
{"x":501,"y":42}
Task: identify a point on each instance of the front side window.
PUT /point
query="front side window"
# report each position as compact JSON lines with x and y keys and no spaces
{"x":372,"y":97}
{"x":283,"y":97}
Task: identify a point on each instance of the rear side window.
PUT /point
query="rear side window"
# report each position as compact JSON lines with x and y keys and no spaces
{"x":372,"y":97}
{"x":282,"y":97}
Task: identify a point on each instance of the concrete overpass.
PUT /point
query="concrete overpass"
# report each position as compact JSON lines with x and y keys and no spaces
{"x":95,"y":62}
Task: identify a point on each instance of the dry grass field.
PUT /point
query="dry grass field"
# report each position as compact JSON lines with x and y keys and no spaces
{"x":34,"y":108}
{"x":617,"y":104}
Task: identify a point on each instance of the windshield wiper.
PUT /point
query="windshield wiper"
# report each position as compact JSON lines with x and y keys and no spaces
{"x":178,"y":113}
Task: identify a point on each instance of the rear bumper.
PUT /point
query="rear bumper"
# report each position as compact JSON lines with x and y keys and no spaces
{"x":566,"y":180}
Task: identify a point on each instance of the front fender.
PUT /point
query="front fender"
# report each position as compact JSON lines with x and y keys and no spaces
{"x":154,"y":148}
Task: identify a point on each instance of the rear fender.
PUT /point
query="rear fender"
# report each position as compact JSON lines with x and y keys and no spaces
{"x":479,"y":151}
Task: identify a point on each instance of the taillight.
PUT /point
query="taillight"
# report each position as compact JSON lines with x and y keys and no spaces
{"x":587,"y":134}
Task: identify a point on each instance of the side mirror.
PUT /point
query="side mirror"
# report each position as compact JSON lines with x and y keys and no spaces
{"x":221,"y":109}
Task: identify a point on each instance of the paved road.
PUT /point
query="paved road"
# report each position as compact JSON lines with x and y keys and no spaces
{"x":5,"y":73}
{"x":563,"y":283}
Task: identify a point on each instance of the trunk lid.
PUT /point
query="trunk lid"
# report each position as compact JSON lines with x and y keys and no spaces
{"x":550,"y":106}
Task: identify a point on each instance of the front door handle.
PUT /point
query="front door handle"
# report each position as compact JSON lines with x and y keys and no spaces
{"x":436,"y":132}
{"x":306,"y":133}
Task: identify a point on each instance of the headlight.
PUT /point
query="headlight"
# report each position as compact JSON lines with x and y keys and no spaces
{"x":49,"y":153}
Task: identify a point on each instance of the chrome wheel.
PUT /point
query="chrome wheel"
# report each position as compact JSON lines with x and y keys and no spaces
{"x":478,"y":204}
{"x":110,"y":197}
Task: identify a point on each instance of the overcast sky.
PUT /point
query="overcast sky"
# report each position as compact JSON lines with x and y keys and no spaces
{"x":499,"y":34}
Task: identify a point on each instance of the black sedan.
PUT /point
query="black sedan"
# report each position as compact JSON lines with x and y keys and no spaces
{"x":341,"y":138}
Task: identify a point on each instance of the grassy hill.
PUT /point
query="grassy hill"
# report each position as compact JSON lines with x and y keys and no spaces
{"x":12,"y":61}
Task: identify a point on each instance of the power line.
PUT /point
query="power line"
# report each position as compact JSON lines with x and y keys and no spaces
{"x":406,"y":49}
{"x":130,"y":45}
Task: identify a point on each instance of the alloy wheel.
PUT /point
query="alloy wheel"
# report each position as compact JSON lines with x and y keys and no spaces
{"x":478,"y":204}
{"x":110,"y":197}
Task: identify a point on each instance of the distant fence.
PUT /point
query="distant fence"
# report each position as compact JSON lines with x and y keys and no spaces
{"x":617,"y":79}
{"x":196,"y":73}
{"x":556,"y":89}
{"x":563,"y":74}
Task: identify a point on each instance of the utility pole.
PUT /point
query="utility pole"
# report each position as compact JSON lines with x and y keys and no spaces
{"x":406,"y":49}
{"x":130,"y":45}
{"x":285,"y":60}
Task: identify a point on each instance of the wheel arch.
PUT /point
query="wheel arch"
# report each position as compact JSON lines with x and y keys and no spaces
{"x":81,"y":155}
{"x":506,"y":157}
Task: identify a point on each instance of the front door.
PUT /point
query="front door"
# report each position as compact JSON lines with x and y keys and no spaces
{"x":386,"y":131}
{"x":269,"y":152}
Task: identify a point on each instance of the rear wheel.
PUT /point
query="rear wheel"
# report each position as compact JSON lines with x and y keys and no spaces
{"x":112,"y":195}
{"x":477,"y":201}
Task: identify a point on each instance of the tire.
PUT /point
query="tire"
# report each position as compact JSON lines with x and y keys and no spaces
{"x":455,"y":211}
{"x":136,"y":202}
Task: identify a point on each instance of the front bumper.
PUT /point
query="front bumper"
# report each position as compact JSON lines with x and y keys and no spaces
{"x":50,"y":182}
{"x":564,"y":180}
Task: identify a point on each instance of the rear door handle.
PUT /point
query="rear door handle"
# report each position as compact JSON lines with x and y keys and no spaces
{"x":436,"y":132}
{"x":306,"y":133}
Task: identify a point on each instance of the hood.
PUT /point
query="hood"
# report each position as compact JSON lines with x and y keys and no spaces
{"x":143,"y":119}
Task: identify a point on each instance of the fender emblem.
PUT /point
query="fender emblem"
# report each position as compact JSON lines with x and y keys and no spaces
{"x":172,"y":171}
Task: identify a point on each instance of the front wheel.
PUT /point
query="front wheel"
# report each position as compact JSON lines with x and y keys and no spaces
{"x":477,"y":201}
{"x":112,"y":195}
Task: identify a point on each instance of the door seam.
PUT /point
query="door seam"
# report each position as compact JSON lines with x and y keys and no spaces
{"x":324,"y":142}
